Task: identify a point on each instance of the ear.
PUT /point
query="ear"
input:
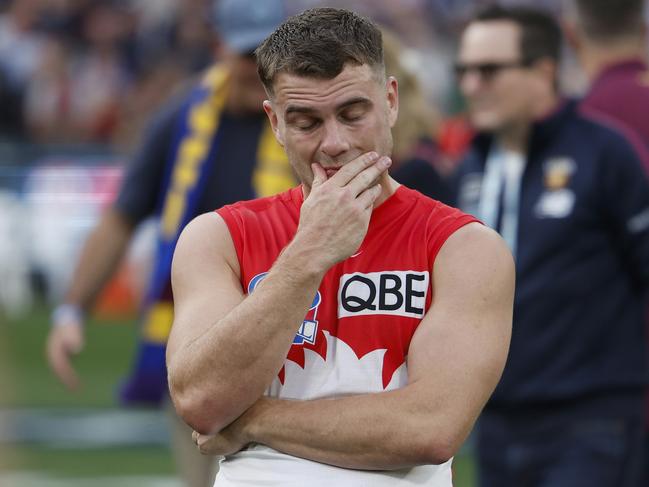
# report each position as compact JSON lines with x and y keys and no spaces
{"x":392,"y":93}
{"x":274,"y":121}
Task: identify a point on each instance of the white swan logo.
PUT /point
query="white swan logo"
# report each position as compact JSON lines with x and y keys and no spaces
{"x":341,"y":373}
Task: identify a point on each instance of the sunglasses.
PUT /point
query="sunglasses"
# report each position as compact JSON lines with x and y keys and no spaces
{"x":486,"y":71}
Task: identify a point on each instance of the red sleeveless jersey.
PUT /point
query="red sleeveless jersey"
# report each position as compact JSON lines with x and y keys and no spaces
{"x":356,"y":335}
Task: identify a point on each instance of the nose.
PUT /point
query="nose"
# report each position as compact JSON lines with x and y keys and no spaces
{"x":334,"y":140}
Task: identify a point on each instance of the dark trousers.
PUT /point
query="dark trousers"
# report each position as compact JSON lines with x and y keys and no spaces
{"x":597,"y":444}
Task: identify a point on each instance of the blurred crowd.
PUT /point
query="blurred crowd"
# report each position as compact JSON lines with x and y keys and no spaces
{"x":93,"y":71}
{"x":90,"y":71}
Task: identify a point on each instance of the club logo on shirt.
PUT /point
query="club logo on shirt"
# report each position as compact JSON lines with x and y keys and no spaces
{"x":557,"y":172}
{"x":558,"y":200}
{"x":309,"y":328}
{"x":401,"y":293}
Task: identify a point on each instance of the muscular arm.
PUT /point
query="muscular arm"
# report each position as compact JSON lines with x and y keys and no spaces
{"x":224,"y":351}
{"x":455,"y":360}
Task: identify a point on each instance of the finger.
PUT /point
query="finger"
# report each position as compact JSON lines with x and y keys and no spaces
{"x":319,"y":175}
{"x":206,"y":444}
{"x":195,"y":435}
{"x":203,"y":446}
{"x":367,"y":177}
{"x":369,"y":196}
{"x":352,"y":168}
{"x":202,"y":440}
{"x":59,"y":360}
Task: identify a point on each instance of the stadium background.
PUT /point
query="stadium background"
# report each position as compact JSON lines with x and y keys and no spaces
{"x":78,"y":80}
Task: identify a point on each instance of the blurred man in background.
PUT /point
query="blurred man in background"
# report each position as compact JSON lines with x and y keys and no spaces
{"x":611,"y":44}
{"x":570,"y":197}
{"x":209,"y":147}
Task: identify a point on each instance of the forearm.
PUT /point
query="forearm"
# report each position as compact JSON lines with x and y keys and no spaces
{"x":382,"y":431}
{"x":218,"y":375}
{"x":99,"y":258}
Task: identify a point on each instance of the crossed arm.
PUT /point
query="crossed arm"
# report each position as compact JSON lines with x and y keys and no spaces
{"x":455,"y":360}
{"x":225,"y":350}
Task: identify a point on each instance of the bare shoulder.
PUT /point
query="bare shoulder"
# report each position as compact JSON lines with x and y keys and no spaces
{"x":475,"y":256}
{"x":205,"y":248}
{"x":204,"y":279}
{"x":208,"y":228}
{"x":205,"y":240}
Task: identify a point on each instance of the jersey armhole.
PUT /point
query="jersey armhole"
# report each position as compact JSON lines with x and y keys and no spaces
{"x":444,"y":229}
{"x":235,"y":227}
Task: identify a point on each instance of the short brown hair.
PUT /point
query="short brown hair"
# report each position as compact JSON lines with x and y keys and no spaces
{"x":541,"y":34}
{"x":319,"y":43}
{"x":605,"y":21}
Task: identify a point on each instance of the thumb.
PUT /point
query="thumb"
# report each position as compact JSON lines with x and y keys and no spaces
{"x":319,"y":175}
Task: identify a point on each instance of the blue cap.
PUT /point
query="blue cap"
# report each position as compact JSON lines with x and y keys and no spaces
{"x":244,"y":24}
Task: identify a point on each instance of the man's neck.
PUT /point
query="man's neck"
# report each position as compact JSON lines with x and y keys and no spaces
{"x":595,"y":58}
{"x":388,"y":188}
{"x":514,"y":138}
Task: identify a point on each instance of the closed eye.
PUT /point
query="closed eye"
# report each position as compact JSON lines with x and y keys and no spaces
{"x":303,"y":122}
{"x":355,"y":112}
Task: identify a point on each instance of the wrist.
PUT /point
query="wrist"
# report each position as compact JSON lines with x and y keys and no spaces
{"x":306,"y":258}
{"x":251,"y":426}
{"x":65,"y":314}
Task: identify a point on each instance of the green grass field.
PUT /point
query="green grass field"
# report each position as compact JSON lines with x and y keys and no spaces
{"x":27,"y":383}
{"x":102,"y":364}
